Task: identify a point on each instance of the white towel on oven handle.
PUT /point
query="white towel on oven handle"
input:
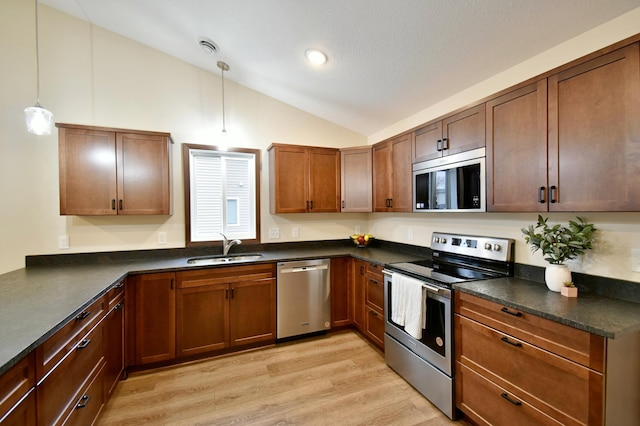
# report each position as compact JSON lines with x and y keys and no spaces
{"x":397,"y":299}
{"x":414,"y":307}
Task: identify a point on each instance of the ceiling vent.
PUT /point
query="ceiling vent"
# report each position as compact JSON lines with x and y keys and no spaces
{"x":208,"y":46}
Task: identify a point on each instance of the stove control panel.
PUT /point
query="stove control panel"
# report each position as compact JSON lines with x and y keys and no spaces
{"x":472,"y":245}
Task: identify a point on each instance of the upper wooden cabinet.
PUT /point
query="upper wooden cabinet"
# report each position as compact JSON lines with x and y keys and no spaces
{"x":457,"y":133}
{"x":594,"y":134}
{"x":304,"y":179}
{"x":516,"y":150}
{"x":106,"y":171}
{"x":392,"y":175}
{"x":356,"y":179}
{"x":570,"y":142}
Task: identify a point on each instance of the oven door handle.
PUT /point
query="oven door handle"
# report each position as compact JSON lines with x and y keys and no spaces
{"x":427,"y":286}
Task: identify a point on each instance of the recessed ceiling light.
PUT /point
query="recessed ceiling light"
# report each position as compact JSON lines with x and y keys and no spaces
{"x":316,"y":57}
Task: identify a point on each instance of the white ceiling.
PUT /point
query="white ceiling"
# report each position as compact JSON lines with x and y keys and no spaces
{"x":388,"y":59}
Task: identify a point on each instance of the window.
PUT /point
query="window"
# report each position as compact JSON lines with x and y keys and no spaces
{"x":221,"y":194}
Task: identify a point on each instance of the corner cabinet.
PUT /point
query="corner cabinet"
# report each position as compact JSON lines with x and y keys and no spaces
{"x":304,"y":179}
{"x":107,"y":171}
{"x":392,"y":179}
{"x":356,"y":180}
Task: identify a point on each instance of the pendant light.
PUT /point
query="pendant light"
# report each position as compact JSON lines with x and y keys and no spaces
{"x":224,"y":67}
{"x":39,"y":120}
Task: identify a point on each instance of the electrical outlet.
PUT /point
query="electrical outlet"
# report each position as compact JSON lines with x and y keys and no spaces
{"x":162,"y":238}
{"x":295,"y":232}
{"x":635,"y":260}
{"x":63,"y":242}
{"x":357,"y":229}
{"x":274,"y":232}
{"x":410,"y":234}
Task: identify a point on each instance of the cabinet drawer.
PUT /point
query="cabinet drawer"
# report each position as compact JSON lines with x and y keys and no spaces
{"x":67,"y":338}
{"x":115,"y":294}
{"x":89,"y":402}
{"x":374,"y":270}
{"x":59,"y":390}
{"x":577,"y":345}
{"x":23,"y":413}
{"x":374,"y":293}
{"x":488,"y":404}
{"x":522,"y":368}
{"x":16,"y":382}
{"x":374,"y":322}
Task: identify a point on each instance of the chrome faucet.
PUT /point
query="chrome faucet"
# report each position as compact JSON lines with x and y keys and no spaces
{"x":226,"y":244}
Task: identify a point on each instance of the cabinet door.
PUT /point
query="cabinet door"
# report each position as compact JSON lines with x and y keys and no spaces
{"x":23,"y":413}
{"x":516,"y":150}
{"x":252,"y":311}
{"x":382,"y":176}
{"x":356,"y":180}
{"x":401,"y":195}
{"x":143,"y":174}
{"x":155,"y":317}
{"x":113,"y":335}
{"x":87,"y":161}
{"x":464,"y":131}
{"x":289,"y":179}
{"x":594,"y":134}
{"x":358,"y":302}
{"x":202,"y":318}
{"x":340,"y":297}
{"x":427,"y":142}
{"x":324,"y":180}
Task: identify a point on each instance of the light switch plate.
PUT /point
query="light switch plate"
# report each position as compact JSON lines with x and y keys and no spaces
{"x":162,"y":238}
{"x":295,"y":232}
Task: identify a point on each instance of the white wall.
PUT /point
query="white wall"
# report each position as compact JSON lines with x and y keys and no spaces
{"x":95,"y":77}
{"x":92,"y":76}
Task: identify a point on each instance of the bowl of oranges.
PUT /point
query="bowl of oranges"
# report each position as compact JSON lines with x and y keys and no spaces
{"x":361,"y":240}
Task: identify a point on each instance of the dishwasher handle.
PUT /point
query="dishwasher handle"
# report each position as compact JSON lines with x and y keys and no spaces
{"x":304,"y":269}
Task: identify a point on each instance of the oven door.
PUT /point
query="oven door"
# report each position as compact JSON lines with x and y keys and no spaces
{"x":435,"y":344}
{"x":455,"y":183}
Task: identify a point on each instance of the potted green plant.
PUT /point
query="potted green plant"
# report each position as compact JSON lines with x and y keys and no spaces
{"x":558,"y":244}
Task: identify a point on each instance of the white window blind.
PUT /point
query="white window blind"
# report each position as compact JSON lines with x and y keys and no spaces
{"x":222,"y":195}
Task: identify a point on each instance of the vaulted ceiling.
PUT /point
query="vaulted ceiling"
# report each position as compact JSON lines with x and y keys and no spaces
{"x":387,"y":59}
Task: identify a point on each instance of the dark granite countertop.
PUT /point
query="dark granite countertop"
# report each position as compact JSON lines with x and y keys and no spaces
{"x":38,"y":300}
{"x":604,"y":316}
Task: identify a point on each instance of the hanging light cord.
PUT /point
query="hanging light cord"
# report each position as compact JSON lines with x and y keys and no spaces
{"x":224,"y":67}
{"x":37,"y":60}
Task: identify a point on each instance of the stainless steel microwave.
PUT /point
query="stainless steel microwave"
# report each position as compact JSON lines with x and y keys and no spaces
{"x":455,"y":183}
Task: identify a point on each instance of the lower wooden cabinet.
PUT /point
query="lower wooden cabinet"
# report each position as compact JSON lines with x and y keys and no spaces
{"x":368,"y":300}
{"x":517,"y":368}
{"x":17,"y":394}
{"x":225,"y":307}
{"x":341,"y":268}
{"x":113,"y":335}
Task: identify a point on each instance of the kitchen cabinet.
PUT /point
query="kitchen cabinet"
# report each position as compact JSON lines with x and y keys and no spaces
{"x":113,"y":334}
{"x":225,"y":307}
{"x":153,"y":327}
{"x":568,"y":142}
{"x":304,"y":179}
{"x":340,"y":292}
{"x":457,"y":133}
{"x":514,"y":367}
{"x":356,"y":179}
{"x":368,"y":304}
{"x":392,"y":179}
{"x":17,"y":394}
{"x":516,"y":150}
{"x":106,"y":171}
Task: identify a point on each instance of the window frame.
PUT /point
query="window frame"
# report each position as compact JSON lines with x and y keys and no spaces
{"x":186,"y":148}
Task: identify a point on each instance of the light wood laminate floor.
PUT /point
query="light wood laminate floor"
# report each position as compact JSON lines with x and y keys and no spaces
{"x":338,"y":379}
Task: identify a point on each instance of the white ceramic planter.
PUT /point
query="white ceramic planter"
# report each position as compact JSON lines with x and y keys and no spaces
{"x":556,"y":275}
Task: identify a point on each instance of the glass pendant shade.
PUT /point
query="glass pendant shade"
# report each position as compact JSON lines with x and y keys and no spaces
{"x":39,"y":120}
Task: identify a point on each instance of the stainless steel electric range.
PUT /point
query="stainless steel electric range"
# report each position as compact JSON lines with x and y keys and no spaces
{"x":423,"y":353}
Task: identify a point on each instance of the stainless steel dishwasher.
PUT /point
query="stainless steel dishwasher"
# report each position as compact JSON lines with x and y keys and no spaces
{"x":304,"y":299}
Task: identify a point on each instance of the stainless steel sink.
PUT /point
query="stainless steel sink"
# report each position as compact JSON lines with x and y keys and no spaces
{"x":215,"y":260}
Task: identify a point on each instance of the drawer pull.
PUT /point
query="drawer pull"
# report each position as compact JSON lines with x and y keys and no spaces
{"x":507,"y":311}
{"x":82,"y":315}
{"x":374,"y":282}
{"x":513,"y":401}
{"x":374,"y":313}
{"x":516,"y":344}
{"x":119,"y":285}
{"x":83,"y":401}
{"x":117,"y":307}
{"x":83,"y":344}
